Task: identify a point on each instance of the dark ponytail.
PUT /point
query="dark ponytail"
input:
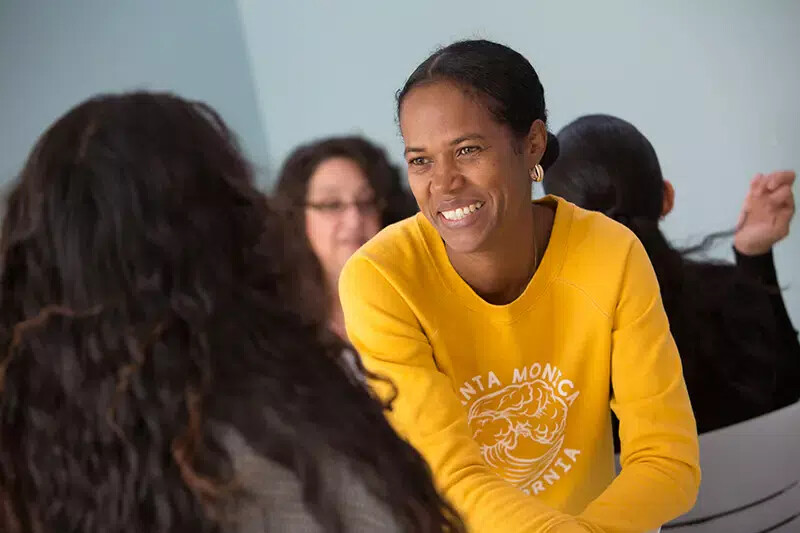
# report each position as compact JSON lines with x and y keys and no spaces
{"x":551,"y":152}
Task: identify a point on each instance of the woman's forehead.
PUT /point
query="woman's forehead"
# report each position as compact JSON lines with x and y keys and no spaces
{"x":444,"y":112}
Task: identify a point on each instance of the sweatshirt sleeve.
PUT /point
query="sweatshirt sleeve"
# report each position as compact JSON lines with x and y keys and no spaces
{"x":426,"y":411}
{"x":660,"y":473}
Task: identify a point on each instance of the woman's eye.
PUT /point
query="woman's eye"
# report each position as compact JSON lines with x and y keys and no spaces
{"x":466,"y":150}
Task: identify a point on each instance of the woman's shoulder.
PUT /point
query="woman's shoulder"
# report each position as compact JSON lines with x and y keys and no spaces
{"x":271,"y":496}
{"x":592,"y":227}
{"x":598,"y":257}
{"x":592,"y":239}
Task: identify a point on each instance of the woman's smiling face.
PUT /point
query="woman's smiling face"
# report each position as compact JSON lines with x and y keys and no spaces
{"x":467,"y":171}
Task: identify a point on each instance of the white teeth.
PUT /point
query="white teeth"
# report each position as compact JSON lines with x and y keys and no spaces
{"x":461,"y":212}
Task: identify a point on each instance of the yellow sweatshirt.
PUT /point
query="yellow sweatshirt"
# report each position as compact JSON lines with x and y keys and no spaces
{"x":509,"y":404}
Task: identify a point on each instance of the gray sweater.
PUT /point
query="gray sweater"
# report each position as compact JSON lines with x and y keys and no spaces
{"x":274,"y":501}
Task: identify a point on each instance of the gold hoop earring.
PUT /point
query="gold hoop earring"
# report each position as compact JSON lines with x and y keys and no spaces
{"x":536,"y":173}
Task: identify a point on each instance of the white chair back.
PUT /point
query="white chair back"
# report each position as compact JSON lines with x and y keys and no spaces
{"x":751,"y":478}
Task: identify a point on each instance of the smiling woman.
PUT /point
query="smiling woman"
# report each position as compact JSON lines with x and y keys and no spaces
{"x":511,"y":328}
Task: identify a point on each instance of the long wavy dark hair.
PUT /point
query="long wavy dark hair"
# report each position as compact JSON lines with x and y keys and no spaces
{"x":148,"y":292}
{"x":720,"y":318}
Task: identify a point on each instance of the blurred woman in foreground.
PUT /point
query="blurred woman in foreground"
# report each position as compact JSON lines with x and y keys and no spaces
{"x":160,"y":372}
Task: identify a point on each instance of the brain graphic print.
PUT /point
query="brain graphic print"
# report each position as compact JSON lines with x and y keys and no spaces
{"x":520,"y":429}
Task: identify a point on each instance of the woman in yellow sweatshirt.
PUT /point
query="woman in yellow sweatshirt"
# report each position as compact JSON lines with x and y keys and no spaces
{"x":510,"y":328}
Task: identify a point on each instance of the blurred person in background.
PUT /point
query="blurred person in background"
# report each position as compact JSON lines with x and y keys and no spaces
{"x":339,"y":192}
{"x":739,"y":349}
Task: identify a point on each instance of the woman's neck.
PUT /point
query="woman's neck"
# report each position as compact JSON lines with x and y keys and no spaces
{"x":335,"y":313}
{"x":500,"y":274}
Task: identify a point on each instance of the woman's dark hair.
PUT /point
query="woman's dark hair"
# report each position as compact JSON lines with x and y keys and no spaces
{"x":607,"y":165}
{"x":384,"y":177}
{"x":508,"y":82}
{"x":295,"y":175}
{"x":148,"y":293}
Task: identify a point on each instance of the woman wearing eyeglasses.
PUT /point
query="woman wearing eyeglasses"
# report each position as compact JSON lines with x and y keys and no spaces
{"x":340,"y":192}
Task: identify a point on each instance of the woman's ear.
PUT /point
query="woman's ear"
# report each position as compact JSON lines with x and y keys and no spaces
{"x":669,"y":199}
{"x":536,"y":142}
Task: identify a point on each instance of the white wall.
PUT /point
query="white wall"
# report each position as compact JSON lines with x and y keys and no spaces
{"x":715,"y":84}
{"x":54,"y":54}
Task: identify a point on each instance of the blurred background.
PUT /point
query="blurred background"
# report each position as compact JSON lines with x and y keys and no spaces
{"x":714,"y":85}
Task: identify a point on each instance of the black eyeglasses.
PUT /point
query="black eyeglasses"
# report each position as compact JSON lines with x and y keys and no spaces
{"x":336,"y":207}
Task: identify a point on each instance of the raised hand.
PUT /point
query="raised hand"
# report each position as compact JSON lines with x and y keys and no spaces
{"x":766,"y":214}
